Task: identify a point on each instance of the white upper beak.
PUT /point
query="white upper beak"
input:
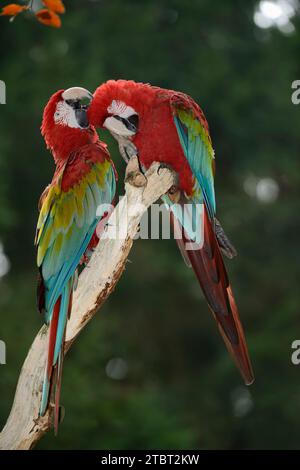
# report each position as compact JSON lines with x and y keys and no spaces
{"x":76,"y":93}
{"x":117,"y":127}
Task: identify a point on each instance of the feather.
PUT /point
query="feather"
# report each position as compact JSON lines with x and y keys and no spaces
{"x":199,"y":153}
{"x":210,"y":271}
{"x":49,"y":366}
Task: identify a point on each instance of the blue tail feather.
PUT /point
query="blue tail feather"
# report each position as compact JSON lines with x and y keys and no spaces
{"x":61,"y":326}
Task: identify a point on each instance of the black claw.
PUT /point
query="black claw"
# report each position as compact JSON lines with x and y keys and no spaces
{"x":140,"y":166}
{"x":162,"y":166}
{"x":173,"y":189}
{"x":125,"y":150}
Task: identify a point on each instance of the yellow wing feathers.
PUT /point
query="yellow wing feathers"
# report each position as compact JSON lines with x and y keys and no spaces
{"x":62,"y":212}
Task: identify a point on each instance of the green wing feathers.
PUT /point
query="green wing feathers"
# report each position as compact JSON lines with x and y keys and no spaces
{"x":66,"y":223}
{"x":195,"y":140}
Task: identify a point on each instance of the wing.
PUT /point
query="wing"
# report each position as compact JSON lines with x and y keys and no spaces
{"x":194,"y":137}
{"x":66,"y":224}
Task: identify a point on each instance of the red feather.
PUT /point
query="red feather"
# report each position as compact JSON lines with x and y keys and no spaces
{"x":58,"y":380}
{"x":210,"y":270}
{"x":63,"y":140}
{"x":52,"y":338}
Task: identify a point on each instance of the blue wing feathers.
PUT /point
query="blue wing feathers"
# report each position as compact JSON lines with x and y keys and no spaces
{"x":196,"y":153}
{"x":63,"y":314}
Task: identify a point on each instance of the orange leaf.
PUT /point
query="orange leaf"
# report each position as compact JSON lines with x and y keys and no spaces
{"x":12,"y":9}
{"x":55,"y":5}
{"x":49,"y":18}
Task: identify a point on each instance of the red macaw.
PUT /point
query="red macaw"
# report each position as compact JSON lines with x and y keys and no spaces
{"x":169,"y":127}
{"x":70,"y":209}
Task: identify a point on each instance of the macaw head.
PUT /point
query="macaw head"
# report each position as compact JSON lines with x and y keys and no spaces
{"x":118,"y":106}
{"x":65,"y":124}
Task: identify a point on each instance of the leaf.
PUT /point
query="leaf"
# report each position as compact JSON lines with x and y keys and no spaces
{"x":13,"y":9}
{"x":55,"y":5}
{"x":49,"y":18}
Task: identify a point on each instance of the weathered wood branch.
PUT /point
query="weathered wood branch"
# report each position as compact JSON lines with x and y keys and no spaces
{"x":24,"y":427}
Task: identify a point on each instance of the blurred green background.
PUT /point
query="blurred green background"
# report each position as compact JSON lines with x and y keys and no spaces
{"x":151,"y":371}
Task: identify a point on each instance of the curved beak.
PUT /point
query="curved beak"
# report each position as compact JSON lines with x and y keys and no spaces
{"x":82,"y":118}
{"x":79,"y":99}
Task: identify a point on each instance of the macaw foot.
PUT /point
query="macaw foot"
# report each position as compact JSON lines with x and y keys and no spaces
{"x":127,"y":148}
{"x":130,"y":149}
{"x":134,"y":175}
{"x":174,"y":192}
{"x":163,"y":166}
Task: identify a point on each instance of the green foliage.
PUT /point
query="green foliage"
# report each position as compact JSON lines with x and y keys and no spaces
{"x":181,"y":389}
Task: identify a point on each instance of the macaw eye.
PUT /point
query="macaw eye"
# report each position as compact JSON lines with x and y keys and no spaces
{"x":79,"y":104}
{"x":119,"y":118}
{"x":75,"y":104}
{"x":131,"y":123}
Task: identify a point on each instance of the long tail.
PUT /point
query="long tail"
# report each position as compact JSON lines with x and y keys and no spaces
{"x":209,"y":268}
{"x":53,"y":371}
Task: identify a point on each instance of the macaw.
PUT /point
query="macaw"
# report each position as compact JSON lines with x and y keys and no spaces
{"x":169,"y":127}
{"x":70,"y":209}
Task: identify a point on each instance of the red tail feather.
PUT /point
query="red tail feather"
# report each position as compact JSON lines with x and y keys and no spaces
{"x":52,"y":337}
{"x":209,"y":268}
{"x":58,"y":390}
{"x":54,"y":373}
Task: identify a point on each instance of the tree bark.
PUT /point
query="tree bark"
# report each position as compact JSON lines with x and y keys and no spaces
{"x":24,"y":426}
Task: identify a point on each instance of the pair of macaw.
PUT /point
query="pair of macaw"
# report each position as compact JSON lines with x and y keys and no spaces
{"x":156,"y":125}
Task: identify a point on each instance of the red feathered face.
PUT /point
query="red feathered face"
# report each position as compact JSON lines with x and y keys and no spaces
{"x":71,"y":110}
{"x":65,"y":121}
{"x":68,"y":108}
{"x":118,"y":106}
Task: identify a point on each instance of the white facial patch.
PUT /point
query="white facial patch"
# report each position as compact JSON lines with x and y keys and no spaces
{"x":65,"y":115}
{"x":120,"y":109}
{"x":117,"y":127}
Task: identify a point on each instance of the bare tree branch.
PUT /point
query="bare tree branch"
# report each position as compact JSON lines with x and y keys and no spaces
{"x":24,"y":427}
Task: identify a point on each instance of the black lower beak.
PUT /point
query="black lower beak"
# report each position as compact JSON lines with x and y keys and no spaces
{"x":82,"y":118}
{"x":131,"y":127}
